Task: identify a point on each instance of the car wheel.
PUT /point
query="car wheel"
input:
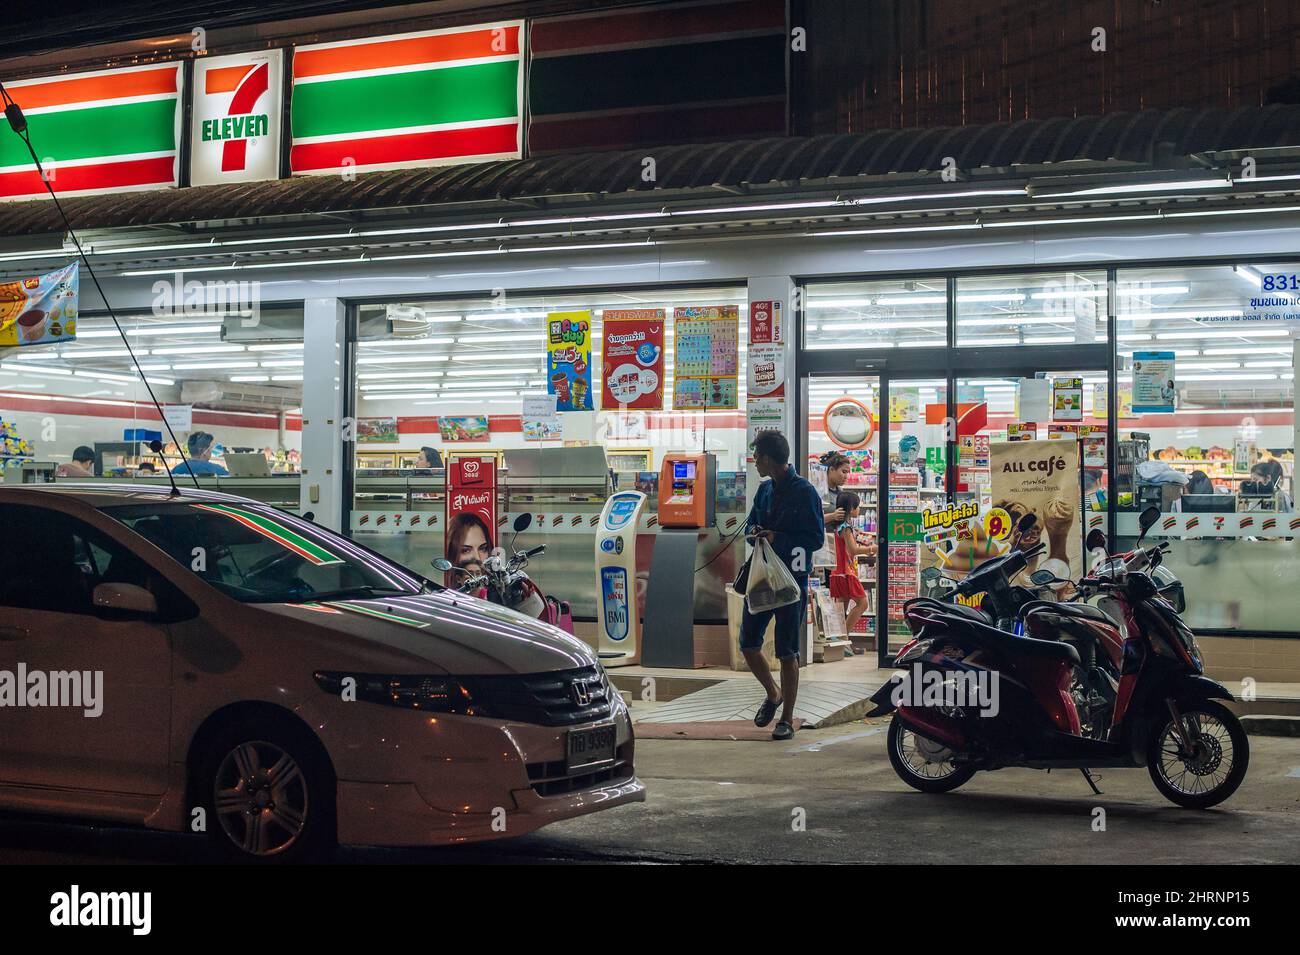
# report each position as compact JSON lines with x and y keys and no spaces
{"x":269,"y":792}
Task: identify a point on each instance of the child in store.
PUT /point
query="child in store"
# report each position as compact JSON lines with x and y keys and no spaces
{"x":845,"y":584}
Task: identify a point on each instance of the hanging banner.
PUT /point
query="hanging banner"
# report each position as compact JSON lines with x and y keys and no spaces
{"x":568,"y":360}
{"x":766,"y":371}
{"x":1042,"y":478}
{"x":632,"y":359}
{"x":765,"y":323}
{"x":904,"y":405}
{"x":539,"y":420}
{"x":706,"y":349}
{"x":40,"y":309}
{"x":107,"y":131}
{"x":435,"y":98}
{"x":235,"y":131}
{"x":470,"y":530}
{"x":1153,"y":382}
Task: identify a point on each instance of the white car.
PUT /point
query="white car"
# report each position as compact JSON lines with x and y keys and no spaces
{"x":195,"y":661}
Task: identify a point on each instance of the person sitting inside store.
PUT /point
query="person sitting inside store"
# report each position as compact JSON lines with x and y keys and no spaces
{"x":1265,"y":481}
{"x":198,"y":457}
{"x":81,"y":465}
{"x":429,"y":458}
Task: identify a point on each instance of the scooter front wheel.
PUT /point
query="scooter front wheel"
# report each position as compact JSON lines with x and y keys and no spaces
{"x":922,"y":763}
{"x":1214,"y":767}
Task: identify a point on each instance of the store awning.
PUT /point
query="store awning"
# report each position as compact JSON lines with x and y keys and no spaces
{"x":1148,"y":140}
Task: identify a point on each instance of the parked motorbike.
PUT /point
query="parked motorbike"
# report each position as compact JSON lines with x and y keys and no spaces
{"x":502,"y":580}
{"x":1119,"y":683}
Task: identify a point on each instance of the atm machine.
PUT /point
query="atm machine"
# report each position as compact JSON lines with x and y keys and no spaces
{"x":687,"y":490}
{"x":619,"y":624}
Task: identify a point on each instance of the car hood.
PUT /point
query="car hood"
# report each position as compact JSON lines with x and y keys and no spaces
{"x":444,"y":632}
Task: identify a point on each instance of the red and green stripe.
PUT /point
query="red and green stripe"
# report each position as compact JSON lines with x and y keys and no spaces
{"x":282,"y":535}
{"x":379,"y":614}
{"x":412,"y":100}
{"x":95,"y":132}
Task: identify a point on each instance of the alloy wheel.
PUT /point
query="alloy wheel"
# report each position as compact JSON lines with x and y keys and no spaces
{"x":261,"y":798}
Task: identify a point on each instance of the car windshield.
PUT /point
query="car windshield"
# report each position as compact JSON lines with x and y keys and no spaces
{"x":258,"y":554}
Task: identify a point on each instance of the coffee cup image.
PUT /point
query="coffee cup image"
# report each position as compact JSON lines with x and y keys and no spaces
{"x":33,"y":324}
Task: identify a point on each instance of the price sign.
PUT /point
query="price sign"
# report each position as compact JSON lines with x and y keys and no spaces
{"x":997,"y":524}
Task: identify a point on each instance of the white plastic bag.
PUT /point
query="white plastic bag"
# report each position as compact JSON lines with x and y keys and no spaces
{"x":771,"y":584}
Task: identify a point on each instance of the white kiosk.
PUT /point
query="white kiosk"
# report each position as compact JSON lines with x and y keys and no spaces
{"x":620,"y":626}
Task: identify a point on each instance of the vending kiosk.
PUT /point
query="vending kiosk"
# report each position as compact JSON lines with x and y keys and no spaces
{"x":687,"y":483}
{"x":618,"y":624}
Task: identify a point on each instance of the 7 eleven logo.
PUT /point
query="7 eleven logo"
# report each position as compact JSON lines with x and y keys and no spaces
{"x":237,"y":118}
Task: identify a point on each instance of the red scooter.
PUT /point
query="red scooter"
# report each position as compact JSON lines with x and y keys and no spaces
{"x":977,"y":697}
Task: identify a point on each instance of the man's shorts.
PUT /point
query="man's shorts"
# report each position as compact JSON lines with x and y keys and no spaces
{"x":789,"y":625}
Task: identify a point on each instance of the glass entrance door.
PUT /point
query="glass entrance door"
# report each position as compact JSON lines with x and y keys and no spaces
{"x":878,"y":451}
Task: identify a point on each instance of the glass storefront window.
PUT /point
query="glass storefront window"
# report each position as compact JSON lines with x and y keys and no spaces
{"x":1042,"y":308}
{"x":877,"y":314}
{"x":1207,"y":431}
{"x":443,"y":377}
{"x":233,"y":378}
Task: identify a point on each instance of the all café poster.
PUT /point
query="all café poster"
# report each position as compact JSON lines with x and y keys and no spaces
{"x":568,"y":360}
{"x":632,"y":353}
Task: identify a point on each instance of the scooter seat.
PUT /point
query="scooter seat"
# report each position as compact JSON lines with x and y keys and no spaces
{"x":1078,"y":610}
{"x":944,"y":606}
{"x":1000,"y":641}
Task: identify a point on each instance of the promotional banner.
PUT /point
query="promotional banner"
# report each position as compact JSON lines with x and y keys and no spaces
{"x":470,"y":530}
{"x":235,"y":130}
{"x":766,"y":371}
{"x":568,"y":360}
{"x":107,"y":131}
{"x":376,"y":430}
{"x":1042,"y":478}
{"x":706,"y":342}
{"x":40,"y":309}
{"x":464,"y":428}
{"x":632,"y":364}
{"x":1067,"y":399}
{"x":1153,"y":382}
{"x":435,"y":98}
{"x":539,"y":420}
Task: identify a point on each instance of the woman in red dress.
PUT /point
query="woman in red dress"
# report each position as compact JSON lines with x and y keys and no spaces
{"x":845,"y":584}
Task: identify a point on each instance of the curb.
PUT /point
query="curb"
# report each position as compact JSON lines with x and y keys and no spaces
{"x":1262,"y":725}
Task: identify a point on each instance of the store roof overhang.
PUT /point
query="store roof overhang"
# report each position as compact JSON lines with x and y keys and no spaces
{"x":1145,"y":165}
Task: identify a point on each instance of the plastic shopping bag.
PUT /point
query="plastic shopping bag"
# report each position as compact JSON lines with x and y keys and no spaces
{"x":771,"y":584}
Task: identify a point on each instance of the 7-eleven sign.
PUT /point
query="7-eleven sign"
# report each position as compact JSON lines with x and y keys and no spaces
{"x":235,"y":131}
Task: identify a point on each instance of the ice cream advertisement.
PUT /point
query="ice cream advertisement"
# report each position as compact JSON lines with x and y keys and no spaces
{"x":1042,"y":478}
{"x":40,"y":310}
{"x":568,"y":360}
{"x":632,"y":350}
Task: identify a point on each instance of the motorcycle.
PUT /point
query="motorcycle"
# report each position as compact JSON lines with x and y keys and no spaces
{"x":502,"y":581}
{"x":1115,"y":684}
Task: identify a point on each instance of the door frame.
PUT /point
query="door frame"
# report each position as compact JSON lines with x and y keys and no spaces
{"x":949,"y":363}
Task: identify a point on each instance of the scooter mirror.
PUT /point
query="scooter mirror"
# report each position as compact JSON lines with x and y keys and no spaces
{"x":1026,"y":522}
{"x":442,"y":564}
{"x":1042,"y":578}
{"x":1147,"y":520}
{"x":931,"y":574}
{"x":1096,"y":539}
{"x":523,"y":522}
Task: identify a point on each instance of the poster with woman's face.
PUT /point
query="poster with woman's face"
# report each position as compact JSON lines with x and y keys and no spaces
{"x":471,"y":513}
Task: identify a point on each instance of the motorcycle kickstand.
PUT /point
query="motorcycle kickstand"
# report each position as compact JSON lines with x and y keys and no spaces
{"x":1087,"y":774}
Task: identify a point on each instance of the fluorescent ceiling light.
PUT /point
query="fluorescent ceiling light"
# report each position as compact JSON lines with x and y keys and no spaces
{"x":496,"y":356}
{"x":283,"y":363}
{"x":199,"y":365}
{"x":286,"y":377}
{"x":465,"y":373}
{"x":399,"y":359}
{"x":504,"y":316}
{"x":912,"y":300}
{"x":386,"y":375}
{"x":1140,"y":187}
{"x":296,"y":346}
{"x":1192,"y":335}
{"x":889,"y":230}
{"x":174,"y":330}
{"x":214,"y":348}
{"x":399,"y":385}
{"x":250,"y":377}
{"x":405,"y":342}
{"x":236,"y":267}
{"x":58,"y":372}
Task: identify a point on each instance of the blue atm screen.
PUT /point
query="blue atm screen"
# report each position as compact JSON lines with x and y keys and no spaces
{"x":684,"y":470}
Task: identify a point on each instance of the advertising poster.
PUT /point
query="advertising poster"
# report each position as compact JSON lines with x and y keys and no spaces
{"x":765,"y":323}
{"x":40,"y":309}
{"x":706,"y":342}
{"x":1022,"y":431}
{"x":376,"y":430}
{"x":766,"y":371}
{"x":1153,"y":382}
{"x":464,"y":428}
{"x":904,"y":405}
{"x":762,"y":414}
{"x":470,"y":529}
{"x":633,"y":359}
{"x":1067,"y":399}
{"x":1042,"y":478}
{"x":539,"y":420}
{"x":1101,"y":402}
{"x":235,"y":131}
{"x":568,"y":360}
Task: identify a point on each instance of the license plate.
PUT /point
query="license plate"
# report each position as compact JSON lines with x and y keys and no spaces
{"x":590,"y":747}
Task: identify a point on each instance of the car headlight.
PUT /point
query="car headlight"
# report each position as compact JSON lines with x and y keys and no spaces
{"x":436,"y":694}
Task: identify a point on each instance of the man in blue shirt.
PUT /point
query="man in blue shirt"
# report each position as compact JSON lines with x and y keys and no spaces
{"x":198,"y":455}
{"x":787,"y":513}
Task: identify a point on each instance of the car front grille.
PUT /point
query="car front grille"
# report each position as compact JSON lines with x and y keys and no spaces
{"x":549,"y":779}
{"x":559,"y":698}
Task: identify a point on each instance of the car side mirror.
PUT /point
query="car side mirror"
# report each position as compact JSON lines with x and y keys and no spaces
{"x":124,"y":598}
